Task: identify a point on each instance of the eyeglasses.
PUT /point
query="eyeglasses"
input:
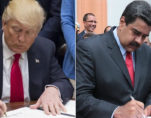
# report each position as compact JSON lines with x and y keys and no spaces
{"x":92,"y":21}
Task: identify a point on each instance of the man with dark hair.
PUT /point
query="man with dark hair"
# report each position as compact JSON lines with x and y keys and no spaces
{"x":107,"y":28}
{"x":89,"y":21}
{"x":113,"y":70}
{"x":85,"y":17}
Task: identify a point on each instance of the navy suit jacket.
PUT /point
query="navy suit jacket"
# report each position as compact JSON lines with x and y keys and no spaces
{"x":47,"y":71}
{"x":103,"y":81}
{"x":80,"y":35}
{"x":52,"y":25}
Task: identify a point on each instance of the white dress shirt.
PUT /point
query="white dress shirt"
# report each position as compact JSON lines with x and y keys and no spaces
{"x":7,"y":64}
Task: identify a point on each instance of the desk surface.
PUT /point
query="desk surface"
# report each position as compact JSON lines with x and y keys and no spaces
{"x":16,"y":105}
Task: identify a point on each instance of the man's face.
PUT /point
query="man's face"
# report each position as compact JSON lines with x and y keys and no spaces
{"x":133,"y":35}
{"x":18,"y":37}
{"x":90,"y":23}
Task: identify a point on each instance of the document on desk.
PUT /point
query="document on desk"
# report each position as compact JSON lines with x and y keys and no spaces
{"x":26,"y":112}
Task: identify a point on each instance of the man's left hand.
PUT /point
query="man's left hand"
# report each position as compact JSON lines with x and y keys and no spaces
{"x":50,"y":101}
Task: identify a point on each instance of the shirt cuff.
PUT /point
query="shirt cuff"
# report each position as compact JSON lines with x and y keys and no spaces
{"x":113,"y":112}
{"x":56,"y":88}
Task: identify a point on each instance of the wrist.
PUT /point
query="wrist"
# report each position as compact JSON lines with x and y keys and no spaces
{"x":117,"y":113}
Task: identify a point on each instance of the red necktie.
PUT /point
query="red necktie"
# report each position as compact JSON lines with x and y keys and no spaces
{"x":129,"y":64}
{"x":17,"y":93}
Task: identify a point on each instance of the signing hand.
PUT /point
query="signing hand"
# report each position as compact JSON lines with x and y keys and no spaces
{"x":132,"y":109}
{"x":3,"y":108}
{"x":50,"y":101}
{"x":148,"y":110}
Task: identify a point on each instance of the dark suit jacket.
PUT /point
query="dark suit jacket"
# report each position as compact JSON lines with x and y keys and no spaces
{"x":47,"y":71}
{"x":52,"y":26}
{"x":80,"y":35}
{"x":3,"y":3}
{"x":103,"y":82}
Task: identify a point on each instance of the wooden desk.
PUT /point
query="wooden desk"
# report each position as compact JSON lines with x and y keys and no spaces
{"x":16,"y":105}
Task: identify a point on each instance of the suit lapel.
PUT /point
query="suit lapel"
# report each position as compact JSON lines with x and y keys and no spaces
{"x":117,"y":56}
{"x":139,"y":64}
{"x":80,"y":37}
{"x":33,"y":65}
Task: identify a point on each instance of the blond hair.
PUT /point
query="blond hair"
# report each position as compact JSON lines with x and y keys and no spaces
{"x":27,"y":12}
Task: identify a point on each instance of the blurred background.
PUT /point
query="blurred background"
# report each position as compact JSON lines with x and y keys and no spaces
{"x":107,"y":12}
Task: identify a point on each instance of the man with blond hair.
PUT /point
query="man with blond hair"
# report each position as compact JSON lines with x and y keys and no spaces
{"x":29,"y":70}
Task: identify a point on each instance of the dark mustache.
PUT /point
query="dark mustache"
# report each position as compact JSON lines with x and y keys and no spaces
{"x":135,"y":44}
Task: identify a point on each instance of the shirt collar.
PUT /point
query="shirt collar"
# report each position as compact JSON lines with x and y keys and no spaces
{"x":85,"y":31}
{"x":123,"y":51}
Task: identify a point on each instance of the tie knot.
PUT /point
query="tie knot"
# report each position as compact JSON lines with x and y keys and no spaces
{"x":17,"y":56}
{"x":128,"y":54}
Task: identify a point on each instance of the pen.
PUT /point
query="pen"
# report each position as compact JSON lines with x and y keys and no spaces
{"x":132,"y":98}
{"x":5,"y":114}
{"x":66,"y":114}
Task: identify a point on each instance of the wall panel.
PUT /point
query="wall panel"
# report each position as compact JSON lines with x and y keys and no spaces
{"x":98,"y":7}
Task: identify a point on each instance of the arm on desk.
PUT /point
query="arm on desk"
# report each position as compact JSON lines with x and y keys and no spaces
{"x":50,"y":101}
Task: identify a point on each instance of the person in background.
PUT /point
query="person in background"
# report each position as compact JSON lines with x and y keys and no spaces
{"x":89,"y":21}
{"x":77,"y":27}
{"x":147,"y":41}
{"x":29,"y":69}
{"x":52,"y":27}
{"x":86,"y":35}
{"x":107,"y":28}
{"x":68,"y":28}
{"x":113,"y":69}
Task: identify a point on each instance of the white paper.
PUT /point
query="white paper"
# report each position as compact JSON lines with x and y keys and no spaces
{"x":70,"y":107}
{"x":26,"y":112}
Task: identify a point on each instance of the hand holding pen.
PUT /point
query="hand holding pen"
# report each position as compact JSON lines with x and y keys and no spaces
{"x":143,"y":115}
{"x":3,"y":108}
{"x":148,"y":110}
{"x":132,"y":109}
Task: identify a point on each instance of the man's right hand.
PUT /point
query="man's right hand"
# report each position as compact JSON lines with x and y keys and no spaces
{"x":3,"y":108}
{"x":50,"y":101}
{"x":132,"y":109}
